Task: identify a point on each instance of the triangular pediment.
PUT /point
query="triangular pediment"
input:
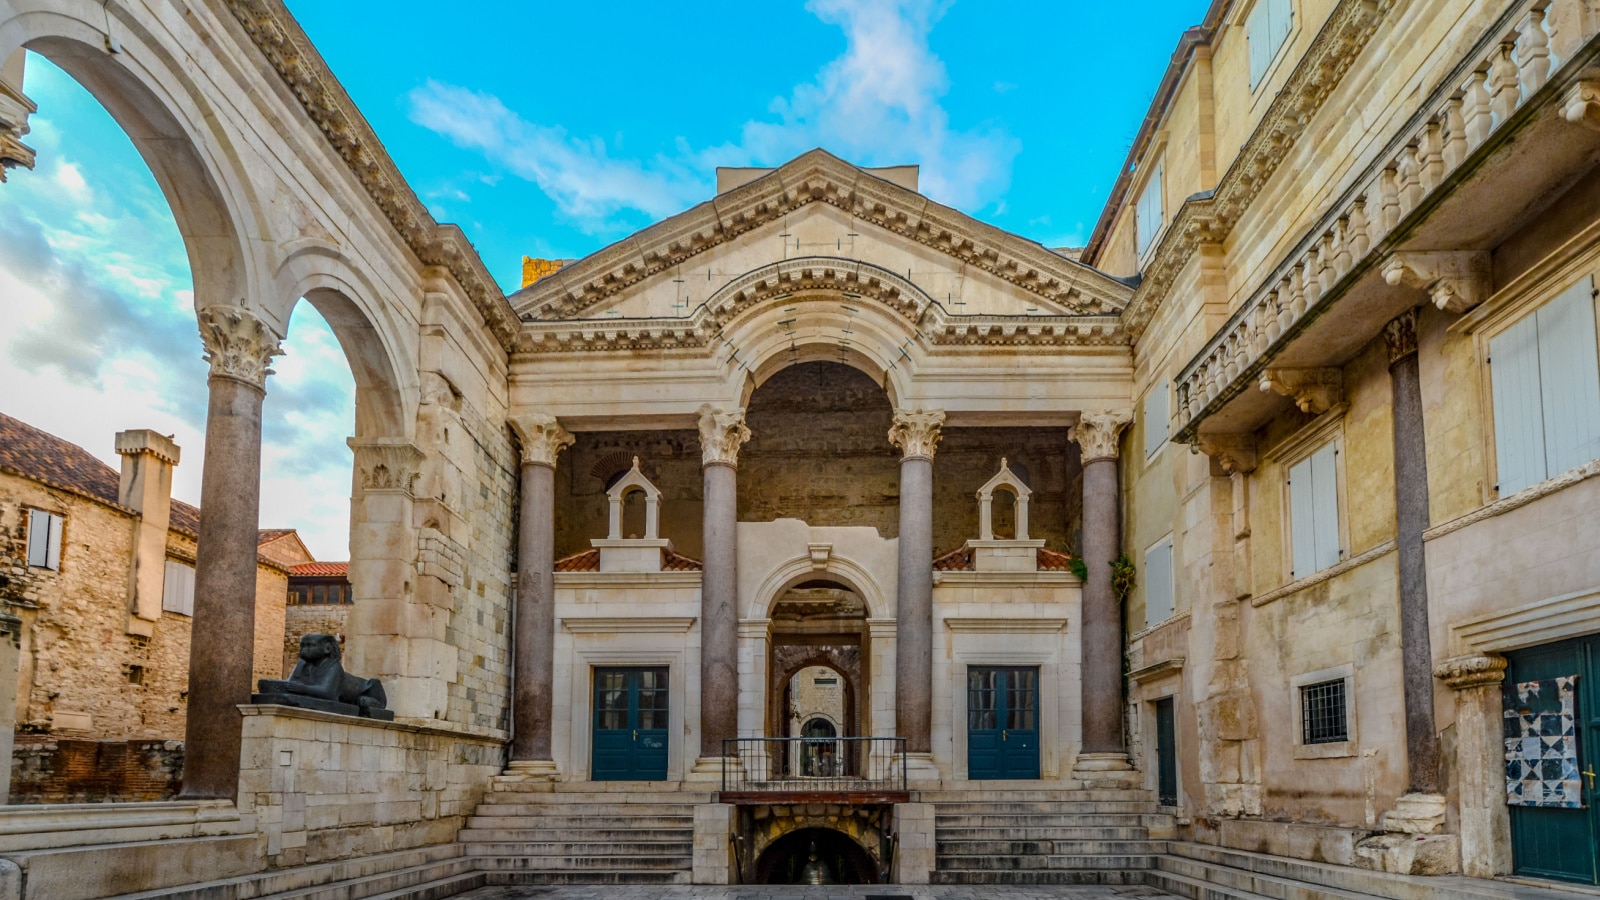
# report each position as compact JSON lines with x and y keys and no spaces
{"x":813,"y":200}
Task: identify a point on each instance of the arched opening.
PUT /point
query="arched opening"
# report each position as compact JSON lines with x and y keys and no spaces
{"x":816,"y":856}
{"x":1003,"y":510}
{"x":633,"y":513}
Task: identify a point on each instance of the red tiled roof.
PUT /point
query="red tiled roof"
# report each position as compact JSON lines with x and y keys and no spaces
{"x":321,"y":568}
{"x":589,"y":561}
{"x":1051,"y":561}
{"x":960,"y":560}
{"x":268,"y":535}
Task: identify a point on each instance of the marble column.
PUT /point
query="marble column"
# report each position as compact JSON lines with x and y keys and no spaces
{"x":239,"y":348}
{"x":1480,"y":767}
{"x":1422,"y":808}
{"x":1104,"y":752}
{"x":722,"y":433}
{"x":916,"y":432}
{"x":532,"y":711}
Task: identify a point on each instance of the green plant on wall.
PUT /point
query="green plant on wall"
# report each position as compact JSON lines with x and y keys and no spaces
{"x":1079,"y":568}
{"x":1122,"y":578}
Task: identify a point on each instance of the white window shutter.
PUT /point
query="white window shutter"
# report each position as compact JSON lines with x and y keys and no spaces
{"x":1518,"y":409}
{"x":53,"y":560}
{"x":1158,"y":582}
{"x":1282,"y":21}
{"x":38,"y":538}
{"x":177,"y":592}
{"x":1569,"y":380}
{"x":1258,"y":29}
{"x":1157,"y":411}
{"x":1302,"y":527}
{"x":1325,"y":505}
{"x":1148,"y":211}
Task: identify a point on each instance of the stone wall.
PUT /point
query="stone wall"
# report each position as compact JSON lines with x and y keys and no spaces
{"x":65,"y":770}
{"x":326,"y":787}
{"x":303,"y":620}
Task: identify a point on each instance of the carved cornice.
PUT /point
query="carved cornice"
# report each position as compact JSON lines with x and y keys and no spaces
{"x":279,"y":37}
{"x":820,"y":177}
{"x":917,"y":432}
{"x":1454,"y":281}
{"x":1212,"y":218}
{"x":542,"y":438}
{"x":14,"y":111}
{"x":387,"y":464}
{"x":1096,"y":432}
{"x":1400,"y":336}
{"x":722,"y":433}
{"x":1314,"y":391}
{"x":238,"y":345}
{"x":1466,"y":672}
{"x":1235,"y":453}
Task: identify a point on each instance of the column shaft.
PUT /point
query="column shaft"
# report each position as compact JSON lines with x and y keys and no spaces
{"x":1102,"y":618}
{"x":222,"y":635}
{"x":913,"y":661}
{"x":531,"y":706}
{"x":719,"y":619}
{"x":1411,"y":513}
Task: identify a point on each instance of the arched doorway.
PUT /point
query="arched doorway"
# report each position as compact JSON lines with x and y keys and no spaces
{"x":816,"y":856}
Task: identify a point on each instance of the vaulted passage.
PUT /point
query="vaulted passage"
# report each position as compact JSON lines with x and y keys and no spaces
{"x":816,"y":856}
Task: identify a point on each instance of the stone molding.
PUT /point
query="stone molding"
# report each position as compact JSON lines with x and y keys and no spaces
{"x":238,"y":345}
{"x":1166,"y":667}
{"x":1540,"y":622}
{"x":387,"y":464}
{"x":1515,"y":501}
{"x":1313,"y":390}
{"x":1096,"y":432}
{"x":291,"y":54}
{"x":541,"y":436}
{"x":15,"y":108}
{"x":722,"y":433}
{"x":1004,"y":625}
{"x":629,"y":624}
{"x":1400,"y":336}
{"x":917,"y":432}
{"x":1211,"y":219}
{"x":1332,"y":571}
{"x":1235,"y":453}
{"x":818,"y":176}
{"x":1455,"y":281}
{"x":1478,"y":670}
{"x":819,"y":274}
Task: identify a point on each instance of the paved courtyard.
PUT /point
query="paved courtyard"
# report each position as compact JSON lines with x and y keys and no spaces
{"x":854,"y":892}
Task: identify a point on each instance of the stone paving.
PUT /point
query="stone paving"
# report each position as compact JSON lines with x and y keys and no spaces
{"x":792,"y":892}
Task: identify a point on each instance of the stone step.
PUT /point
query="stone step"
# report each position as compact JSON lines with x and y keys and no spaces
{"x":1036,"y":876}
{"x":471,"y":835}
{"x":496,"y":818}
{"x":558,"y":876}
{"x":374,"y":874}
{"x":561,"y":798}
{"x":1045,"y":806}
{"x":641,"y":849}
{"x":586,"y":863}
{"x":1129,"y":862}
{"x":983,"y":795}
{"x":1046,"y":833}
{"x":422,"y":883}
{"x":508,"y":807}
{"x":1241,"y":881}
{"x":437,"y":890}
{"x":955,"y":848}
{"x":1038,"y":820}
{"x":1193,"y":889}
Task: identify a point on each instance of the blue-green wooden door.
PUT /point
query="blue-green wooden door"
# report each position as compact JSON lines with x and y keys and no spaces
{"x":1002,"y":722}
{"x":630,"y":724}
{"x":1553,"y":842}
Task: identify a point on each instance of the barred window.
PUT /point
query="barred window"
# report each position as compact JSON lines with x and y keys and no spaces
{"x":1323,"y":713}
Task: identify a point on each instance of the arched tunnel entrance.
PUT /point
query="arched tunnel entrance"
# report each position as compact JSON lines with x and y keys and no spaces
{"x":816,"y":856}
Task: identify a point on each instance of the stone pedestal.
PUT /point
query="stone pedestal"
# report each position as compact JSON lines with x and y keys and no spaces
{"x":1106,"y":770}
{"x":915,"y":856}
{"x":1479,"y":768}
{"x":713,"y":844}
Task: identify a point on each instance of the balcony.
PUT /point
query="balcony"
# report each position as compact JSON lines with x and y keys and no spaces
{"x":854,"y":770}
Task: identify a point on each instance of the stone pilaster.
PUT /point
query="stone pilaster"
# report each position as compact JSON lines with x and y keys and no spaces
{"x":1480,"y":762}
{"x":542,"y":439}
{"x":1104,"y":756}
{"x":240,"y":348}
{"x":916,"y":432}
{"x":722,"y":433}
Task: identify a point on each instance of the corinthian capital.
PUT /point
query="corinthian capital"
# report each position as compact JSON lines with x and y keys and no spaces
{"x":387,"y":464}
{"x":722,"y":433}
{"x":542,"y":438}
{"x":1097,"y":432}
{"x":238,"y":345}
{"x":916,"y":432}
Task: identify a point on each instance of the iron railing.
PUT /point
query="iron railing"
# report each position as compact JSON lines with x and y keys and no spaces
{"x":809,"y":764}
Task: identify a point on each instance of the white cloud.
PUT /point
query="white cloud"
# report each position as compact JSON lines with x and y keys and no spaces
{"x":879,"y":103}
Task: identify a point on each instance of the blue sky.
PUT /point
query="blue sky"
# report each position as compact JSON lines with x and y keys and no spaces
{"x":553,"y":130}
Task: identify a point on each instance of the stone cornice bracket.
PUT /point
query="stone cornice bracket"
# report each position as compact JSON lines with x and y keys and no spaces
{"x":1581,"y":105}
{"x":1235,"y":453}
{"x":1096,"y":432}
{"x":542,"y":438}
{"x":1455,"y":281}
{"x":387,"y":464}
{"x":238,"y":345}
{"x":917,"y":432}
{"x":722,"y":433}
{"x":1477,"y":670}
{"x":1314,"y":391}
{"x":1400,"y":336}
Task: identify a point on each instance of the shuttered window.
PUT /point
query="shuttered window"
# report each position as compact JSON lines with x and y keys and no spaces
{"x":1158,"y":596}
{"x":177,"y":592}
{"x":1157,"y":411}
{"x":44,"y":539}
{"x":1148,"y":211}
{"x":1314,"y":511}
{"x":1545,"y":378}
{"x":1267,"y":26}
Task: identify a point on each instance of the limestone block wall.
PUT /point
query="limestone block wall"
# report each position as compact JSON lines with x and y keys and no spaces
{"x":302,"y":620}
{"x":63,"y":770}
{"x":326,"y":787}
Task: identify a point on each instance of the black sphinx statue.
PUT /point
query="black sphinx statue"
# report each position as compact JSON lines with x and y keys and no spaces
{"x":319,"y":681}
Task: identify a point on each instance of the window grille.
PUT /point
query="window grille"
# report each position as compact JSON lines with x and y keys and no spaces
{"x":1323,"y":713}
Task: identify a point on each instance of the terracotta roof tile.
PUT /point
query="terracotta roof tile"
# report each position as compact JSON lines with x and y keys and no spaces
{"x":1051,"y":561}
{"x":589,"y":561}
{"x":960,"y":560}
{"x":321,"y":568}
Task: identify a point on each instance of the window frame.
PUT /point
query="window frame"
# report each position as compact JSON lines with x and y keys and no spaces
{"x":166,"y":571}
{"x":1172,"y":579}
{"x":1257,"y":80}
{"x":1327,"y":430}
{"x":1152,"y":178}
{"x":55,"y":542}
{"x":1331,"y":749}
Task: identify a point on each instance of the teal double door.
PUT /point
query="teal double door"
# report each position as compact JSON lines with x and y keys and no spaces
{"x":1002,"y":722}
{"x":630,"y":724}
{"x":1552,"y":841}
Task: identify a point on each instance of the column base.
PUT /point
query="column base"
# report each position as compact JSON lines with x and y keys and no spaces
{"x":921,"y":771}
{"x":532,"y":770}
{"x":710,"y":768}
{"x":1415,"y":814}
{"x":1105,"y":771}
{"x":1410,"y":854}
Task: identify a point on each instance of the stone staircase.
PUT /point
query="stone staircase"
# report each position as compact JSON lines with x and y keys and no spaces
{"x":611,"y":833}
{"x":1045,"y":836}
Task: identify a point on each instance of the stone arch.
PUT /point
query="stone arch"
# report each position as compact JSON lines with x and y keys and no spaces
{"x":794,"y":571}
{"x":846,"y":662}
{"x":859,"y":831}
{"x":150,"y":91}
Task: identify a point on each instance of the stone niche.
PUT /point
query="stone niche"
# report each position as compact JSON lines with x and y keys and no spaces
{"x":621,"y":552}
{"x":1013,"y":554}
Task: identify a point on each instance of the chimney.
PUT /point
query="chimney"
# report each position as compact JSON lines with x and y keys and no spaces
{"x":147,"y":461}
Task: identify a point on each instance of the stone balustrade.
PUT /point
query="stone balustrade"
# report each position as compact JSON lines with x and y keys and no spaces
{"x":1505,"y":69}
